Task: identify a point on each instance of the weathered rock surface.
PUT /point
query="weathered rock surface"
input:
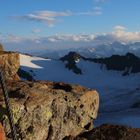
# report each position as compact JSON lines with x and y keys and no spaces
{"x":50,"y":111}
{"x":10,"y":63}
{"x":110,"y":132}
{"x":1,"y":47}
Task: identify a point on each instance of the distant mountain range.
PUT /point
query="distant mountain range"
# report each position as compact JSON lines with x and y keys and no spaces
{"x":94,"y":51}
{"x":128,"y":63}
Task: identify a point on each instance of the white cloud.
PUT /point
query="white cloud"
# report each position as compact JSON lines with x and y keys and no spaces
{"x":54,"y":14}
{"x":70,"y":38}
{"x":36,"y":30}
{"x":119,"y":28}
{"x":49,"y":17}
{"x":121,"y":34}
{"x":11,"y":38}
{"x":95,"y":11}
{"x":118,"y":34}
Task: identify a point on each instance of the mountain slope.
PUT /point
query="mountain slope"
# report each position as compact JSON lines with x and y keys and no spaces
{"x":119,"y":95}
{"x":128,"y":63}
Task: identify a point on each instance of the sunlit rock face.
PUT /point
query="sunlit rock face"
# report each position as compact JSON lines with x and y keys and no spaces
{"x":50,"y":111}
{"x":10,"y":63}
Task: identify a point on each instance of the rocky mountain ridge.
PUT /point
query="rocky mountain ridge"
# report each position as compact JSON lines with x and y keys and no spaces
{"x":128,"y":63}
{"x":71,"y":60}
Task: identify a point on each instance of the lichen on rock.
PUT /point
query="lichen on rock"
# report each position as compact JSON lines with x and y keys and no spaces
{"x":44,"y":112}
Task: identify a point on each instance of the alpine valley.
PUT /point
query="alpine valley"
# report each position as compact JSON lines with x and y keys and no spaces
{"x":115,"y":77}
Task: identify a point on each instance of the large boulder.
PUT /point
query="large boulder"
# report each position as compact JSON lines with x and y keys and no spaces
{"x":10,"y":63}
{"x":50,"y":111}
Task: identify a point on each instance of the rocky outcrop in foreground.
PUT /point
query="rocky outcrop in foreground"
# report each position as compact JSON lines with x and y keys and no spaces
{"x":10,"y":63}
{"x":50,"y":111}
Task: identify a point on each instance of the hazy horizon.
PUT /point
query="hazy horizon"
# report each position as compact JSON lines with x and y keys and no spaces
{"x":59,"y":24}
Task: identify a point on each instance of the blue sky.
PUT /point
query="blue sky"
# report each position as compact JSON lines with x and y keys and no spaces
{"x":70,"y":17}
{"x":28,"y":25}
